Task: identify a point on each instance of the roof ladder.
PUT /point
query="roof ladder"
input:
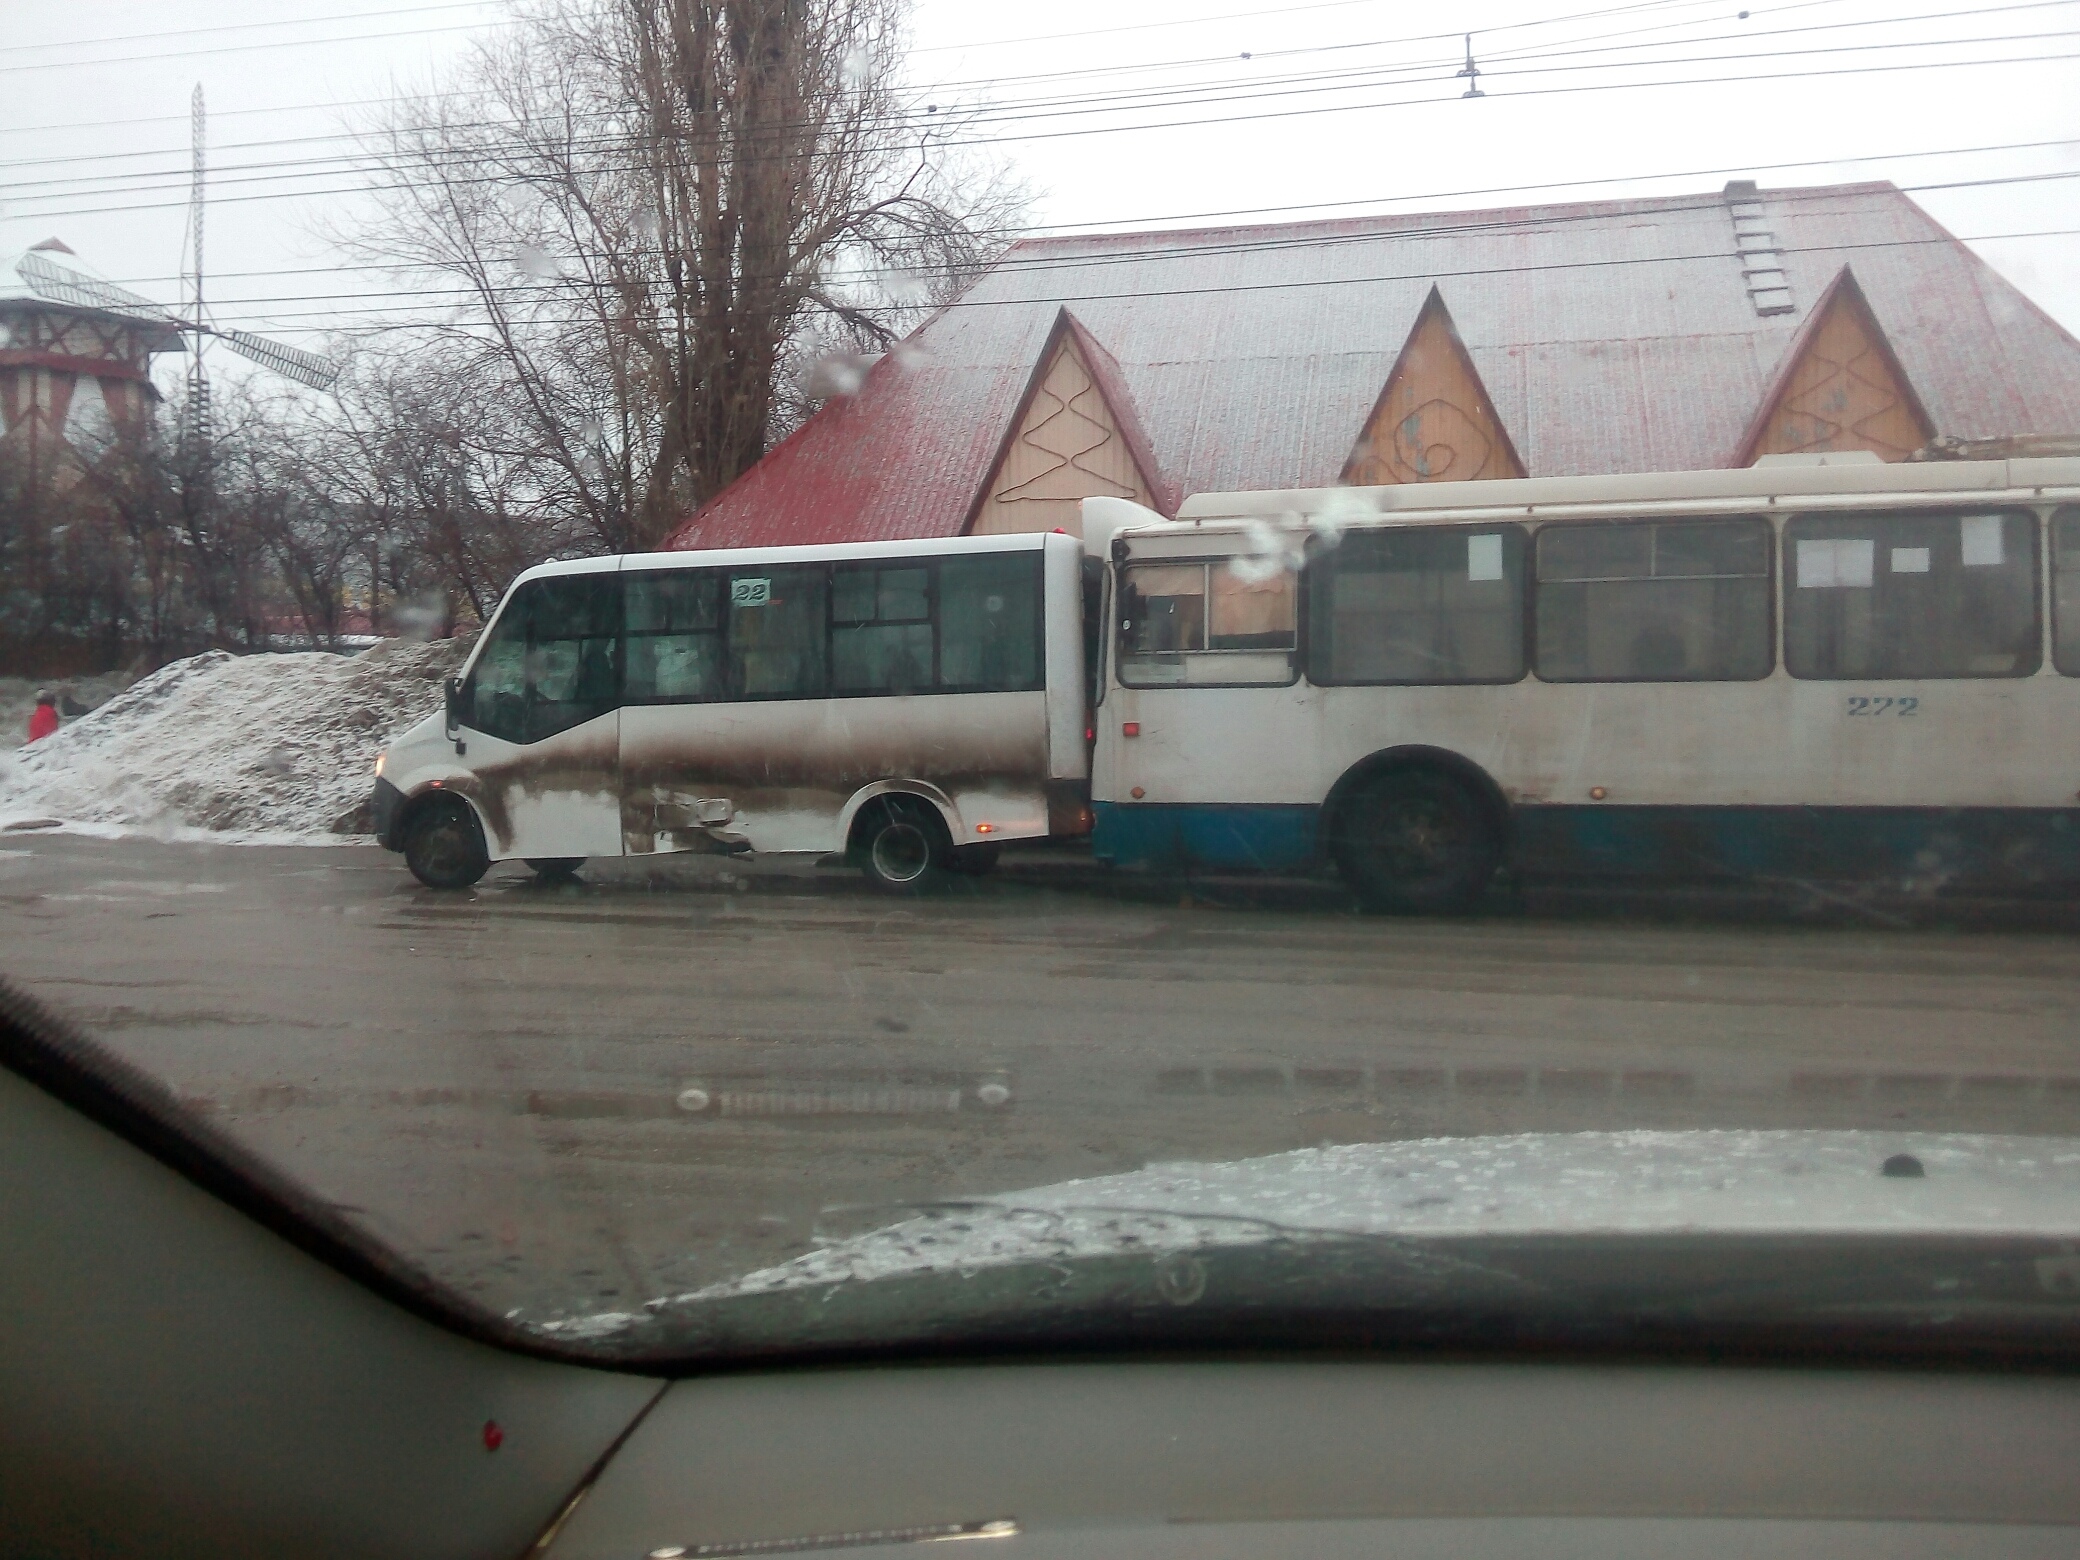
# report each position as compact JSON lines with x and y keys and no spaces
{"x":1762,"y":263}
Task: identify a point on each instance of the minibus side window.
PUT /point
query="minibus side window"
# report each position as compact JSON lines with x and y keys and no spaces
{"x":881,"y":628}
{"x":777,"y":631}
{"x":675,"y":637}
{"x":989,"y":623}
{"x":553,"y":660}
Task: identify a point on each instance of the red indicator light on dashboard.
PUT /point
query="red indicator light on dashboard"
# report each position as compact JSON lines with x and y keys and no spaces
{"x":1130,"y":728}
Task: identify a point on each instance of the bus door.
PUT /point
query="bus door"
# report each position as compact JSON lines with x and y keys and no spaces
{"x":541,"y":724}
{"x":729,"y":740}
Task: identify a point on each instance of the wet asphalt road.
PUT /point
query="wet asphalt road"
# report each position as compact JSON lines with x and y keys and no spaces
{"x":582,"y":1096}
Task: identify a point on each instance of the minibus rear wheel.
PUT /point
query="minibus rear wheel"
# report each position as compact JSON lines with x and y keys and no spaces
{"x":1416,"y":841}
{"x":444,"y":845}
{"x":901,"y":845}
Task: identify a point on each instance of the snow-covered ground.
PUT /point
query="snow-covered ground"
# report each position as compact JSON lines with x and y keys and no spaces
{"x":1543,"y":1183}
{"x":1538,"y":1183}
{"x":257,"y":747}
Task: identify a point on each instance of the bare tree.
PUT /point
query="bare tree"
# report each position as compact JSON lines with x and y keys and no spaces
{"x":640,"y":216}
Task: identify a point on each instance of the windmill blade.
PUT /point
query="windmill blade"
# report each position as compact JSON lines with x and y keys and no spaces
{"x":61,"y":284}
{"x":306,"y":368}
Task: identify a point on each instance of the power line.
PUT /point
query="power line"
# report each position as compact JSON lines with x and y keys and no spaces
{"x":1466,"y":273}
{"x":224,"y":27}
{"x":1443,"y":227}
{"x":280,"y":170}
{"x":1291,"y":10}
{"x":1559,"y":50}
{"x":1125,"y":226}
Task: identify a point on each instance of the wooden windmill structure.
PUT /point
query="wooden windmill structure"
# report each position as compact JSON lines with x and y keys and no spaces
{"x":76,"y":350}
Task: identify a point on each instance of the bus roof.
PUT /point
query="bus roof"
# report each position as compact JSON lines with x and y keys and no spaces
{"x":1778,"y":481}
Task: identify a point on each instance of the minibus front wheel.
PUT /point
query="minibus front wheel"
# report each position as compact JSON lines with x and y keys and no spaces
{"x":901,"y":845}
{"x":444,"y":844}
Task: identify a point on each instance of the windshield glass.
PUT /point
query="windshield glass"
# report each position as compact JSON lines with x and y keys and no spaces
{"x":755,"y":730}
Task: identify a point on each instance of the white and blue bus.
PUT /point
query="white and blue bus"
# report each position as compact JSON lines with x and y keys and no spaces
{"x":1807,"y":670}
{"x":1804,"y":671}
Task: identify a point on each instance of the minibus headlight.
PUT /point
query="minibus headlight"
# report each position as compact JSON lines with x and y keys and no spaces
{"x":382,"y":758}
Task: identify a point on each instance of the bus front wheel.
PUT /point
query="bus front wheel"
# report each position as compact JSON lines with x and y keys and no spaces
{"x":902,"y":847}
{"x":1416,"y":842}
{"x":444,"y":847}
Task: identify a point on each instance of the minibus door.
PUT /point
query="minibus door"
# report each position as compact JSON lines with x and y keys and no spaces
{"x":539,"y":722}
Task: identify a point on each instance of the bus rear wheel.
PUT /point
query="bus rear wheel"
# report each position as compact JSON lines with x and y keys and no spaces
{"x":555,"y":869}
{"x":444,"y":846}
{"x":1416,"y":842}
{"x":902,"y":846}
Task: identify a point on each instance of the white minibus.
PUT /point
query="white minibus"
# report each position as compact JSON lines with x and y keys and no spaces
{"x":912,"y":704}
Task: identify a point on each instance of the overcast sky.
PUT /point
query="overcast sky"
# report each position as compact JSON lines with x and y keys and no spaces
{"x":1116,"y":112}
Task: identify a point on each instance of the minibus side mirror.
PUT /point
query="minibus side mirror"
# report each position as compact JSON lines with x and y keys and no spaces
{"x":453,"y":689}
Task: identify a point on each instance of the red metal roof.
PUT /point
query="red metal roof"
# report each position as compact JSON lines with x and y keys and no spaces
{"x":1612,"y":336}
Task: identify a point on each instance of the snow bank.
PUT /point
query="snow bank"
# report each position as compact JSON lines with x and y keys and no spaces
{"x":268,"y":746}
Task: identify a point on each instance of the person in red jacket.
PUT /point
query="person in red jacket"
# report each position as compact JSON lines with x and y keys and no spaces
{"x":43,"y":720}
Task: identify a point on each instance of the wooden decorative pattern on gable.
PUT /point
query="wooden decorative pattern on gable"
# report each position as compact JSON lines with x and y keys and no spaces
{"x":1433,"y":421}
{"x":1840,"y":388}
{"x":1069,"y":444}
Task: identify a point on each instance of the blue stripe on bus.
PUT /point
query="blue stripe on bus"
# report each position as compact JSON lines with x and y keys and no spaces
{"x":1934,"y":847}
{"x":1266,"y":838}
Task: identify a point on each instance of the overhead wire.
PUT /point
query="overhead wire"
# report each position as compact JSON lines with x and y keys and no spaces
{"x":1180,"y":96}
{"x":281,"y":170}
{"x":1560,"y":50}
{"x":1135,"y":226}
{"x":224,"y":27}
{"x":1440,"y":227}
{"x":1464,"y":273}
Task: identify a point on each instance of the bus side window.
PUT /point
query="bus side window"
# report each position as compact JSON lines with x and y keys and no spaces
{"x":675,"y":637}
{"x":2065,"y":590}
{"x":989,"y":623}
{"x":1248,"y":610}
{"x":1949,"y":594}
{"x":553,"y":660}
{"x":1421,"y":605}
{"x":1162,"y":608}
{"x":1205,"y":623}
{"x":1654,"y":601}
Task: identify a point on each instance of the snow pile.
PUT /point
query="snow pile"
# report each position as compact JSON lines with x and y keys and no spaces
{"x":267,"y":745}
{"x":1534,"y":1184}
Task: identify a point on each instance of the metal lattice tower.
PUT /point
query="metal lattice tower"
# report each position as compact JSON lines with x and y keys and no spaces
{"x":198,"y":430}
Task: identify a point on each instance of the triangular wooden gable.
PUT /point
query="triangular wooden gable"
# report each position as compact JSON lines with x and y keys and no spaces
{"x":1434,"y":421}
{"x":1074,"y":436}
{"x":1840,"y":387}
